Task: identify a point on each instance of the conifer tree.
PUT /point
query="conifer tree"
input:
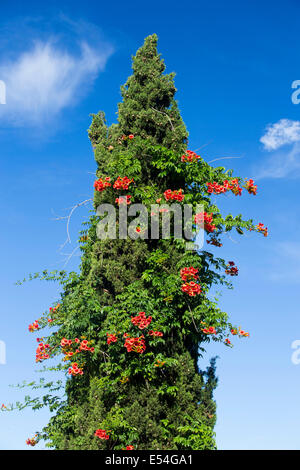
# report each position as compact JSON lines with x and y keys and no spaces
{"x":133,"y":322}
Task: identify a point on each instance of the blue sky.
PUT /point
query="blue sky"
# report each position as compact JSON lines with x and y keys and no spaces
{"x":235,"y":64}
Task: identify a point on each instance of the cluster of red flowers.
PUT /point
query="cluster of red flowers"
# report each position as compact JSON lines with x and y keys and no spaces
{"x":207,"y":221}
{"x":227,"y":341}
{"x":141,"y":321}
{"x":65,"y":342}
{"x":135,"y":344}
{"x":81,"y":345}
{"x":155,"y":333}
{"x":191,"y":288}
{"x":261,"y":228}
{"x":111,"y":338}
{"x":41,"y":352}
{"x":210,"y":330}
{"x":240,"y":332}
{"x":69,"y":352}
{"x":235,"y":187}
{"x":189,"y":273}
{"x":232,"y":185}
{"x":102,"y":184}
{"x":123,"y":200}
{"x":53,"y":309}
{"x":214,"y":242}
{"x":129,"y":448}
{"x":31,"y":441}
{"x":232,"y":270}
{"x":84,"y":346}
{"x":189,"y":156}
{"x":34,"y":326}
{"x":122,"y":183}
{"x":251,"y":187}
{"x":102,"y":434}
{"x":75,"y":370}
{"x":175,"y":195}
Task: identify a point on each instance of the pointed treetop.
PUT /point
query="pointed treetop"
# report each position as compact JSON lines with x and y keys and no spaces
{"x":149,"y":108}
{"x":149,"y":111}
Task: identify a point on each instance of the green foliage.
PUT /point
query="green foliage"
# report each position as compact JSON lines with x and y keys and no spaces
{"x":128,"y":394}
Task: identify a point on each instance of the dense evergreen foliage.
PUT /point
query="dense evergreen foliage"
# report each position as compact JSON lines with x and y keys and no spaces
{"x":157,"y":399}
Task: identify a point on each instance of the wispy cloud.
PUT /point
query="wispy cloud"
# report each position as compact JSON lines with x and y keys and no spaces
{"x":281,"y":133}
{"x":282,"y":141}
{"x":281,"y":164}
{"x":46,"y":78}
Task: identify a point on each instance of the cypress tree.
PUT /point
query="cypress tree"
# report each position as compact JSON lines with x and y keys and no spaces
{"x":152,"y":395}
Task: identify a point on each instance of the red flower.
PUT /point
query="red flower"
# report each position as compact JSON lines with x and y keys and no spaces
{"x":251,"y":188}
{"x":174,"y":195}
{"x":34,"y":326}
{"x":261,"y":228}
{"x":122,"y":183}
{"x":135,"y":344}
{"x":65,"y":342}
{"x":41,"y":352}
{"x":205,"y":219}
{"x":101,"y":184}
{"x":189,"y":273}
{"x":123,"y":200}
{"x":232,"y":185}
{"x":155,"y":333}
{"x":189,"y":156}
{"x":75,"y":370}
{"x":31,"y":441}
{"x":209,"y":331}
{"x":111,"y":338}
{"x":101,"y":433}
{"x":231,"y":269}
{"x":141,"y":321}
{"x":191,"y":288}
{"x":129,"y":448}
{"x":243,"y":333}
{"x":131,"y":136}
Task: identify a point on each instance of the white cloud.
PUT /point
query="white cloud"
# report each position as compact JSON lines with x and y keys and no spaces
{"x":281,"y":164}
{"x":45,"y":79}
{"x":282,"y":132}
